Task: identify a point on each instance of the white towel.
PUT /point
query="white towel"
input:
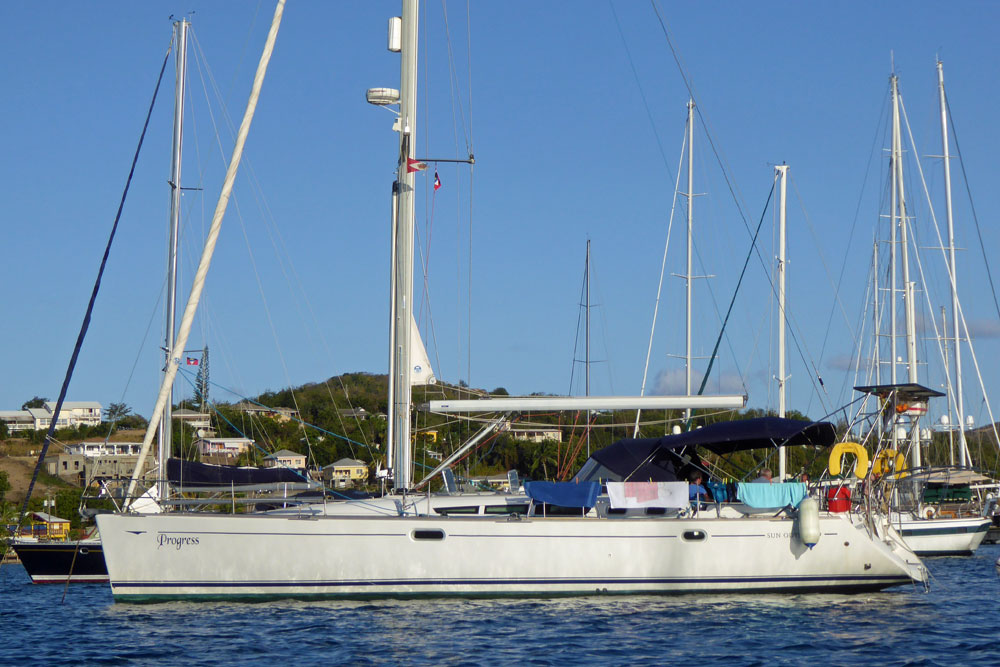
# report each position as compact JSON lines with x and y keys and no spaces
{"x":648,"y":494}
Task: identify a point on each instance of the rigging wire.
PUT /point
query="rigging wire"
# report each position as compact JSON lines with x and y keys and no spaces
{"x":289,"y":272}
{"x":642,"y":93}
{"x":972,"y":207}
{"x":604,"y":335}
{"x":187,"y":376}
{"x":736,"y":291}
{"x":50,"y":435}
{"x":723,"y":165}
{"x":873,"y":367}
{"x":961,"y":313}
{"x":708,"y":134}
{"x":453,"y":78}
{"x":879,"y":130}
{"x":581,"y":311}
{"x":659,"y":286}
{"x":576,"y":335}
{"x":239,"y":215}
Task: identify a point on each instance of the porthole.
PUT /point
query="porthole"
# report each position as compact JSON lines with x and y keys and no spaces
{"x":694,"y":535}
{"x":432,"y":534}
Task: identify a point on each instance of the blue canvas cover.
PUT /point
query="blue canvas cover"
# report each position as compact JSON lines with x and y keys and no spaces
{"x":639,"y":460}
{"x":564,"y":494}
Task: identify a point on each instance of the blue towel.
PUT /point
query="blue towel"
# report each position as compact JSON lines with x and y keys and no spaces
{"x":756,"y":494}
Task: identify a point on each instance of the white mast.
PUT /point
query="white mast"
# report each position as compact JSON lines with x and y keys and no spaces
{"x":399,"y":420}
{"x":690,"y":242}
{"x":163,"y":450}
{"x":951,"y":438}
{"x":875,"y":314}
{"x":953,"y":274}
{"x":782,"y":172}
{"x":587,"y":352}
{"x":198,"y":283}
{"x":908,"y":286}
{"x":893,"y":243}
{"x":389,"y":453}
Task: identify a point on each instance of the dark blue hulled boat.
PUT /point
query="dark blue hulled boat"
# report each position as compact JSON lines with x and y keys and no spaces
{"x":56,"y":562}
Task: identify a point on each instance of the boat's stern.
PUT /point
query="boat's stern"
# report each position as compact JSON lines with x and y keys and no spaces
{"x":899,"y":551}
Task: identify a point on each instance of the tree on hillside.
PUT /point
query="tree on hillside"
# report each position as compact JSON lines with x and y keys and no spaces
{"x":201,"y":383}
{"x":4,"y":433}
{"x":117,"y":412}
{"x":35,"y":402}
{"x":133,"y":421}
{"x":4,"y":485}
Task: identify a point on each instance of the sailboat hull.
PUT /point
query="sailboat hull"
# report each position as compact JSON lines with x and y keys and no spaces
{"x":943,"y":536}
{"x":189,"y":556}
{"x":59,"y":562}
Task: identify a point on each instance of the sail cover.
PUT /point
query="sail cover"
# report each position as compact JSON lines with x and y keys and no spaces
{"x":421,"y":372}
{"x":660,"y":459}
{"x":192,"y":473}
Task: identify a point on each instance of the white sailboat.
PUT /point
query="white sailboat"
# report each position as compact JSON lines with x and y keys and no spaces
{"x":542,"y":552}
{"x":927,"y":526}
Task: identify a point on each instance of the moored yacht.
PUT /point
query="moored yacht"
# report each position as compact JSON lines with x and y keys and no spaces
{"x":569,"y":542}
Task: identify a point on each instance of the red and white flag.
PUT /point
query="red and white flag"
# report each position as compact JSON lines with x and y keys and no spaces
{"x":192,"y":361}
{"x":413,"y":165}
{"x":437,"y":181}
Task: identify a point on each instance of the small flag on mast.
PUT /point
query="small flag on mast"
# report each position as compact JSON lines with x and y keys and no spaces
{"x":437,"y":181}
{"x":192,"y":361}
{"x":413,"y":165}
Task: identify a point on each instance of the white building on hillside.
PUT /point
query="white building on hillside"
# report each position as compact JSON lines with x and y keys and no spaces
{"x":196,"y":420}
{"x":105,"y":449}
{"x":284,"y":458}
{"x":72,"y":414}
{"x":538,"y":435}
{"x":225,"y":447}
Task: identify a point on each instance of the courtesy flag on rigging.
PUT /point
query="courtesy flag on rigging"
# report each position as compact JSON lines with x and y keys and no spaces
{"x":192,"y":361}
{"x":414,"y":165}
{"x":437,"y":181}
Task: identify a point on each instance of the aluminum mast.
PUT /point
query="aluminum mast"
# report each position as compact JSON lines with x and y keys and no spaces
{"x":908,"y":287}
{"x":875,"y":314}
{"x":164,"y":441}
{"x":587,"y":352}
{"x":399,"y":420}
{"x":690,"y":213}
{"x":782,"y":172}
{"x":963,"y":460}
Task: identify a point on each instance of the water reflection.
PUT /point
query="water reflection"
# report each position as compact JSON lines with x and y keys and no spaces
{"x":955,"y":620}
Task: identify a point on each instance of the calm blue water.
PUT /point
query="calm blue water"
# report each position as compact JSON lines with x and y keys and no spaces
{"x":957,"y":621}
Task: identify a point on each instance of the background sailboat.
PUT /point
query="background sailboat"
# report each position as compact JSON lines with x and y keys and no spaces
{"x":930,"y":524}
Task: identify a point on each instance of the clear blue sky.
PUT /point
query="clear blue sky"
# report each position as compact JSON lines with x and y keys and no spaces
{"x":577,"y":129}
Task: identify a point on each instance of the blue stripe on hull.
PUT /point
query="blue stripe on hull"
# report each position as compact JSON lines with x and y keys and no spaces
{"x":960,"y":530}
{"x":158,"y":592}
